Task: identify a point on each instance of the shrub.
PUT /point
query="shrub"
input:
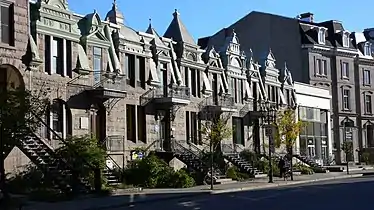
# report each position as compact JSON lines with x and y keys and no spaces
{"x":303,"y":169}
{"x":152,"y":172}
{"x":235,"y":174}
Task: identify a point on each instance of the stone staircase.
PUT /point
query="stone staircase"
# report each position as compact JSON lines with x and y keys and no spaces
{"x":242,"y":164}
{"x":317,"y":168}
{"x":55,"y":168}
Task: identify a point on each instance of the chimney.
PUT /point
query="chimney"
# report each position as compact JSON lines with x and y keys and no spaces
{"x":307,"y":17}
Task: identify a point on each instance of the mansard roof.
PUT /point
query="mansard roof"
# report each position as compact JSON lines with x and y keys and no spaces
{"x":178,"y":31}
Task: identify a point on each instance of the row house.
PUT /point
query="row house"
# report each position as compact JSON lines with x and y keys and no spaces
{"x":134,"y":89}
{"x":324,"y":55}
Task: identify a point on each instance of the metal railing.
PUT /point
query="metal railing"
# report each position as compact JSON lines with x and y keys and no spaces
{"x":173,"y":91}
{"x":224,"y":101}
{"x":115,"y":143}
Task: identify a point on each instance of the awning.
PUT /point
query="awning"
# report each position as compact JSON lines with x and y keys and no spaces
{"x":225,"y":83}
{"x":206,"y":83}
{"x":110,"y":64}
{"x":259,"y":90}
{"x":83,"y":62}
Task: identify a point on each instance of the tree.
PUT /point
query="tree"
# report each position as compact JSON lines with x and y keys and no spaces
{"x":288,"y":129}
{"x":347,"y":147}
{"x":82,"y":153}
{"x":214,"y":131}
{"x":18,"y":111}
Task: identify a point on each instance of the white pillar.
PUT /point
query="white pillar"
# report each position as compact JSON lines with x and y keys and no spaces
{"x":64,"y":70}
{"x":52,"y":49}
{"x":50,"y":123}
{"x":329,"y":137}
{"x":297,"y":142}
{"x":64,"y":120}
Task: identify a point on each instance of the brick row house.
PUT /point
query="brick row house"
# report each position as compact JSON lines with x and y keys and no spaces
{"x":136,"y":89}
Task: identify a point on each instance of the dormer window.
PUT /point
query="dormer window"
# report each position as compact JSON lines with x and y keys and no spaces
{"x":367,"y":49}
{"x":322,"y":36}
{"x":345,"y":39}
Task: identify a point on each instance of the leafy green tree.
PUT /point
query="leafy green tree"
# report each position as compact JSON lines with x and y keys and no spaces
{"x":83,"y":152}
{"x":215,"y":131}
{"x":288,"y":129}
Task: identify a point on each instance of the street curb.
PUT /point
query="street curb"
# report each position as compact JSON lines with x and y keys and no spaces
{"x":269,"y":186}
{"x":185,"y":195}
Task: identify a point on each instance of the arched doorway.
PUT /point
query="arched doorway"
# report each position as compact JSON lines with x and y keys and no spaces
{"x":10,"y":77}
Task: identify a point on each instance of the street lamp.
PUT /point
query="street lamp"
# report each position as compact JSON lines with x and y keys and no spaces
{"x":269,"y":117}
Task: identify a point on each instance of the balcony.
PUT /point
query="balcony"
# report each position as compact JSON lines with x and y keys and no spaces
{"x":224,"y":103}
{"x":172,"y":95}
{"x":109,"y":88}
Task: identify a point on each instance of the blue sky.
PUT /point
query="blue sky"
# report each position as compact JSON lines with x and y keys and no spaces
{"x":205,"y":17}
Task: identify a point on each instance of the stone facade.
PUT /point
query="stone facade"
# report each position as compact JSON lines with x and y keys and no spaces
{"x":323,"y":54}
{"x":138,"y":89}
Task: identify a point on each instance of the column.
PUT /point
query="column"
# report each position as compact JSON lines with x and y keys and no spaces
{"x":52,"y":49}
{"x":136,"y":71}
{"x":297,"y":142}
{"x":136,"y":127}
{"x":64,"y":60}
{"x":64,"y":121}
{"x":50,"y":124}
{"x":189,"y":79}
{"x":329,"y":136}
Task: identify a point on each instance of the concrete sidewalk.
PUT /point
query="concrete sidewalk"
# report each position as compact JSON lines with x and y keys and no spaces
{"x":126,"y":198}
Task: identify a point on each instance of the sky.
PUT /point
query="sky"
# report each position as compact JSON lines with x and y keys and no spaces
{"x":205,"y":17}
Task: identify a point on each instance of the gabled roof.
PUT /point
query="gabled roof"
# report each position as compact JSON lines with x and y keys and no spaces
{"x":178,"y":31}
{"x":157,"y":40}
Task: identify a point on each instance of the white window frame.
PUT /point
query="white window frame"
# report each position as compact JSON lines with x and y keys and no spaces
{"x":368,"y":104}
{"x":345,"y":38}
{"x":322,"y":36}
{"x":366,"y":77}
{"x":346,"y":104}
{"x":367,"y":49}
{"x":345,"y":69}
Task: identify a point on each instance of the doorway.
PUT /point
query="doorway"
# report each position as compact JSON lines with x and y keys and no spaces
{"x":98,"y":123}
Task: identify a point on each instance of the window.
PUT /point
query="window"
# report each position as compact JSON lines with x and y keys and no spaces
{"x":7,"y":23}
{"x":321,"y":67}
{"x":130,"y":123}
{"x":141,"y":70}
{"x":368,"y":105}
{"x":195,"y":128}
{"x":97,"y":63}
{"x":345,"y":40}
{"x":367,"y":49}
{"x":57,"y":113}
{"x":142,"y":130}
{"x":346,"y":95}
{"x":321,"y":36}
{"x":235,"y":89}
{"x":366,"y":77}
{"x":324,"y":68}
{"x":130,"y":69}
{"x":57,"y":56}
{"x":345,"y":70}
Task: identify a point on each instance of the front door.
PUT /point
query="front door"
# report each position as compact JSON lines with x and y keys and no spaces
{"x":98,"y":124}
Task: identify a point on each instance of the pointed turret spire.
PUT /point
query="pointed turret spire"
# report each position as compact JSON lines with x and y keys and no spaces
{"x":115,"y":15}
{"x":178,"y":31}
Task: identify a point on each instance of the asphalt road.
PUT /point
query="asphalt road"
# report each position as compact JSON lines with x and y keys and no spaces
{"x":344,"y":194}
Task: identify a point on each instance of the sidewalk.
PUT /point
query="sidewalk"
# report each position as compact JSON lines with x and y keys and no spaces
{"x":126,"y":197}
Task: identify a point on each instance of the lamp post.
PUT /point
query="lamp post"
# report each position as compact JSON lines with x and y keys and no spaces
{"x":269,"y":132}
